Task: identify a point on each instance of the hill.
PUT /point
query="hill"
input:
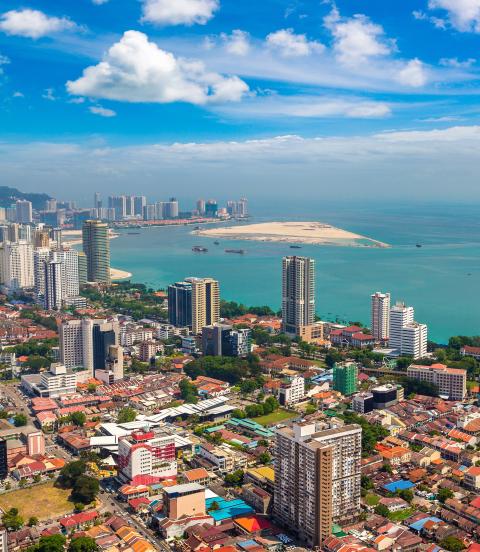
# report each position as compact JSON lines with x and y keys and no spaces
{"x":10,"y":195}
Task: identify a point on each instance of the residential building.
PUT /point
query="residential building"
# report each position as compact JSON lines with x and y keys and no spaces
{"x":201,"y":207}
{"x":400,"y":316}
{"x":180,"y":304}
{"x":414,"y":340}
{"x":451,"y":382}
{"x":17,"y":265}
{"x":149,"y":212}
{"x":139,"y":202}
{"x":298,"y":293}
{"x":380,"y":319}
{"x":317,"y":479}
{"x":345,"y":377}
{"x":363,"y":403}
{"x":205,"y":303}
{"x":54,"y":285}
{"x":24,"y":212}
{"x":119,"y":204}
{"x":96,"y":247}
{"x":148,"y":350}
{"x":82,"y":269}
{"x":291,"y":391}
{"x":76,"y":344}
{"x":223,"y":458}
{"x":105,"y":334}
{"x":36,"y":443}
{"x":224,"y":340}
{"x":147,"y":453}
{"x":472,"y":478}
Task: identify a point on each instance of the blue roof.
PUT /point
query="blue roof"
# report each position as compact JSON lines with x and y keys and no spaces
{"x":227,"y":508}
{"x":248,"y":543}
{"x":399,"y":485}
{"x":418,"y":525}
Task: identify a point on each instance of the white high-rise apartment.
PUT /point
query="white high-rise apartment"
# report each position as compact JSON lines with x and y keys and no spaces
{"x":298,"y":293}
{"x":414,"y":340}
{"x":69,"y":260}
{"x":380,"y":319}
{"x":317,"y":479}
{"x":24,"y":212}
{"x":58,"y":282}
{"x":17,"y":265}
{"x":76,"y":344}
{"x":41,"y":255}
{"x":400,"y":316}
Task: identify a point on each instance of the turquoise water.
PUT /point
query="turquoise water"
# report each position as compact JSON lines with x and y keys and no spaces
{"x":440,"y":279}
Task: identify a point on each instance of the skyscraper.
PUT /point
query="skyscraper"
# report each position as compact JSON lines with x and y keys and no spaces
{"x":380,"y":318}
{"x":139,"y":203}
{"x":180,"y":304}
{"x":24,"y":212}
{"x":205,"y":302}
{"x":317,"y":479}
{"x":400,"y":316}
{"x":16,"y":263}
{"x":82,"y":269}
{"x":97,"y":201}
{"x":298,"y":293}
{"x":201,"y":206}
{"x":54,"y":285}
{"x":119,"y":204}
{"x":96,"y":247}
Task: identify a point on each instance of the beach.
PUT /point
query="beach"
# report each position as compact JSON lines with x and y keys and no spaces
{"x":311,"y":233}
{"x":117,"y":274}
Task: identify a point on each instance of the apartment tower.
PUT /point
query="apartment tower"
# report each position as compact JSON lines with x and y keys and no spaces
{"x":380,"y":319}
{"x":298,"y":293}
{"x":317,"y":479}
{"x":205,"y":303}
{"x":96,"y":247}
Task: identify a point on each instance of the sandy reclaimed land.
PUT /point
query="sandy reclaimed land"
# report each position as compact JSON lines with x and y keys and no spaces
{"x":117,"y":274}
{"x":313,"y":233}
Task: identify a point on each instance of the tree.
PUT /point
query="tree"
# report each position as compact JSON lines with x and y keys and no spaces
{"x":443,"y":494}
{"x":367,"y":483}
{"x":387,"y":468}
{"x":53,"y":543}
{"x":188,"y":391}
{"x":91,"y":388}
{"x":406,"y":494}
{"x":234,"y":479}
{"x":20,"y":420}
{"x":12,"y":519}
{"x":214,"y":506}
{"x":126,"y":415}
{"x":70,"y":473}
{"x":264,"y":458}
{"x":382,"y":510}
{"x":452,"y":543}
{"x":85,"y":489}
{"x":83,"y":544}
{"x":78,"y":418}
{"x":332,"y":357}
{"x":33,"y":521}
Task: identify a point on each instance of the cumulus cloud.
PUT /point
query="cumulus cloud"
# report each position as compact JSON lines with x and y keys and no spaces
{"x":357,"y":39}
{"x":137,"y":70}
{"x":33,"y":23}
{"x":413,"y":74}
{"x":290,"y":44}
{"x":102,"y":111}
{"x":237,"y":43}
{"x":463,"y":15}
{"x":179,"y":12}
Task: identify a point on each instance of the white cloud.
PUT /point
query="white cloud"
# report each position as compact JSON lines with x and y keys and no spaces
{"x":137,"y":70}
{"x":102,"y":111}
{"x":463,"y":15}
{"x":357,"y":39}
{"x":49,"y":94}
{"x":33,"y":23}
{"x":413,"y":74}
{"x":237,"y":43}
{"x":444,"y":119}
{"x":179,"y":12}
{"x":99,"y":2}
{"x":436,"y":21}
{"x":456,"y":63}
{"x":290,"y":44}
{"x":18,"y":94}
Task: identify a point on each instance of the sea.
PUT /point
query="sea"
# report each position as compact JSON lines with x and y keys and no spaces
{"x":440,"y":279}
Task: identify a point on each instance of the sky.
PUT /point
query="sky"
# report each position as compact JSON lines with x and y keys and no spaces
{"x":289,"y":98}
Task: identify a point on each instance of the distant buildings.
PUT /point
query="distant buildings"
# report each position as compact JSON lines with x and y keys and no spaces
{"x":224,"y":340}
{"x":16,"y":265}
{"x":298,"y":293}
{"x":24,"y":213}
{"x":380,"y":317}
{"x":451,"y":382}
{"x":96,"y":247}
{"x":317,"y":479}
{"x":407,"y":337}
{"x":345,"y":377}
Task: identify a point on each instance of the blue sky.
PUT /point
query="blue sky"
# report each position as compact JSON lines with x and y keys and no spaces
{"x":100,"y":92}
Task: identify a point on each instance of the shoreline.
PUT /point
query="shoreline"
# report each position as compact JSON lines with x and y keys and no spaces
{"x":117,"y":274}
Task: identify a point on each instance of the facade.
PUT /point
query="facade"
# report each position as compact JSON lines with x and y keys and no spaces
{"x":451,"y":382}
{"x":104,"y":335}
{"x":291,"y":391}
{"x":184,"y":500}
{"x":414,"y":340}
{"x":36,"y":443}
{"x":17,"y":265}
{"x":205,"y":303}
{"x":57,"y":381}
{"x":147,"y":453}
{"x":380,"y":319}
{"x":317,"y":479}
{"x":180,"y":304}
{"x":387,"y":395}
{"x":298,"y":293}
{"x":76,"y":344}
{"x":24,"y":212}
{"x":54,"y":285}
{"x":363,"y":403}
{"x":113,"y":370}
{"x":96,"y":247}
{"x":400,"y":316}
{"x":223,"y":340}
{"x":345,"y":377}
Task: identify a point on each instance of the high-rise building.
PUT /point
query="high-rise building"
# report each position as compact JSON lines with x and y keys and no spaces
{"x":205,"y":303}
{"x":17,"y":265}
{"x":201,"y":206}
{"x":345,"y":377}
{"x":129,"y":206}
{"x":380,"y":318}
{"x":317,"y":479}
{"x":113,"y":370}
{"x":41,"y":255}
{"x":96,"y":247}
{"x":24,"y":212}
{"x":76,"y":344}
{"x":51,"y":205}
{"x":139,"y":203}
{"x":400,"y":316}
{"x":211,"y":208}
{"x":97,"y":201}
{"x":119,"y":205}
{"x":82,"y":268}
{"x":180,"y":304}
{"x":172,"y":208}
{"x":451,"y":382}
{"x":41,"y":237}
{"x":414,"y":340}
{"x":105,"y":335}
{"x":54,"y":285}
{"x":298,"y":293}
{"x":224,"y":340}
{"x":3,"y":459}
{"x":150,"y":212}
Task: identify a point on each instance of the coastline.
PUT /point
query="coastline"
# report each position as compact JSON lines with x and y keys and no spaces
{"x":116,"y":274}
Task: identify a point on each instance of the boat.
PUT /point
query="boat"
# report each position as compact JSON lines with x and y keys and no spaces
{"x":418,"y":245}
{"x":216,"y":243}
{"x":197,"y":228}
{"x":133,"y":233}
{"x":239,"y":251}
{"x":199,"y":249}
{"x":295,"y":247}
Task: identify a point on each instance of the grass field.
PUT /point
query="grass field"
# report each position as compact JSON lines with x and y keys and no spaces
{"x":371,"y":499}
{"x":276,"y":417}
{"x":401,"y":514}
{"x":41,"y":501}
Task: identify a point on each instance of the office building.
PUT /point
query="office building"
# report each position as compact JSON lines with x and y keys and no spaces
{"x":380,"y":318}
{"x":400,"y":316}
{"x":298,"y":293}
{"x":57,"y":381}
{"x":139,"y":202}
{"x":211,"y":209}
{"x":451,"y":382}
{"x":96,"y":247}
{"x":387,"y":395}
{"x":76,"y":344}
{"x":345,"y":377}
{"x":24,"y":212}
{"x":224,"y":340}
{"x":180,"y":304}
{"x":201,"y":207}
{"x":147,"y":453}
{"x":17,"y":265}
{"x":105,"y":335}
{"x":363,"y":403}
{"x":317,"y":479}
{"x":205,"y":303}
{"x":3,"y":459}
{"x":113,"y":370}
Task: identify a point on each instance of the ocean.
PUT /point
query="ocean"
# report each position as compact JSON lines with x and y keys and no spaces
{"x":440,"y":280}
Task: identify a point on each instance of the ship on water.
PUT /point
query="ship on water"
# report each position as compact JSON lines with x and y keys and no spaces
{"x":199,"y":249}
{"x":238,"y":251}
